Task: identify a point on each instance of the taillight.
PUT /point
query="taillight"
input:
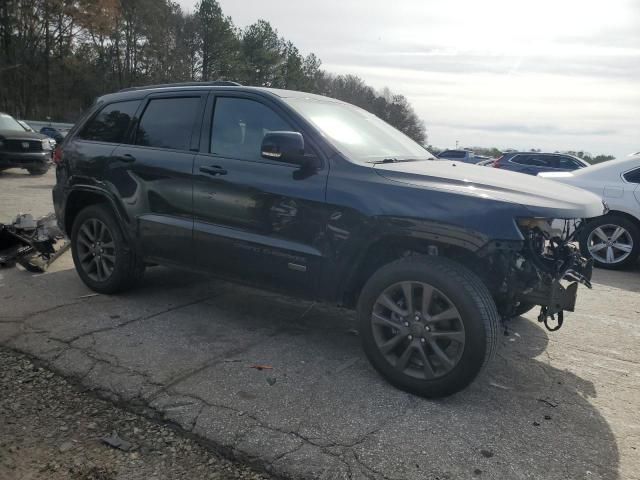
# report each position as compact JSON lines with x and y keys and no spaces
{"x":496,"y":162}
{"x":57,"y":155}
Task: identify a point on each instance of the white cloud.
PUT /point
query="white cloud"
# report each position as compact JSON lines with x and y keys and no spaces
{"x":546,"y":73}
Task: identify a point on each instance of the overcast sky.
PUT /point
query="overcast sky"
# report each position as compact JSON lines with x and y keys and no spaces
{"x":550,"y":74}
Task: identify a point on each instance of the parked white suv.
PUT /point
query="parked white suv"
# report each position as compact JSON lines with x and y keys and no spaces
{"x":613,"y":240}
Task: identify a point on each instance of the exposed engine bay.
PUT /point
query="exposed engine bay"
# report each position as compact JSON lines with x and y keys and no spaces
{"x":547,"y":271}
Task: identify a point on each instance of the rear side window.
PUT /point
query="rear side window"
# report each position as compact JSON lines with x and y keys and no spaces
{"x":568,"y":163}
{"x":533,"y":160}
{"x":452,"y":154}
{"x":168,"y":123}
{"x":633,"y":176}
{"x":110,"y":125}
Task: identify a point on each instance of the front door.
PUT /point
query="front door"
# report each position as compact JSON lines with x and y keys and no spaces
{"x":156,"y":182}
{"x":259,"y":220}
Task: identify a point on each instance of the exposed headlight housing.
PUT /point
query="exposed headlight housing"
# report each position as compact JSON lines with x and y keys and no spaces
{"x":46,"y":144}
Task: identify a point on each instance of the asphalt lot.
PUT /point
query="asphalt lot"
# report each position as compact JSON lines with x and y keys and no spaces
{"x":554,"y":405}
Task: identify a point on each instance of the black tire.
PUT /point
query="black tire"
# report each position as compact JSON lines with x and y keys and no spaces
{"x":38,"y":170}
{"x":607,"y":225}
{"x":126,"y":270}
{"x":465,"y":291}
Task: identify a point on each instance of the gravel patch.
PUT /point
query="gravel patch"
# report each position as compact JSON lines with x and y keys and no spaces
{"x":51,"y":430}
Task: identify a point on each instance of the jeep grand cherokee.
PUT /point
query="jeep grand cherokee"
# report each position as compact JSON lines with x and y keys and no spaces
{"x":318,"y":198}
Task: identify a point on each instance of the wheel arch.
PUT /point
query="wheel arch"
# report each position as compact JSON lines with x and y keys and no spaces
{"x":389,"y":248}
{"x":82,"y":197}
{"x":632,"y":218}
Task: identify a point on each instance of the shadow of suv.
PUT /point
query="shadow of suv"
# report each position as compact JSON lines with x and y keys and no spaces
{"x":319,"y":199}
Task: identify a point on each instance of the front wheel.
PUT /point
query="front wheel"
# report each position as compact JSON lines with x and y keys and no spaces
{"x":612,"y":241}
{"x":428,"y":325}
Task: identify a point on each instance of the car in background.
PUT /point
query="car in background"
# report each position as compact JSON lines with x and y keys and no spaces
{"x":464,"y":156}
{"x":613,"y":239}
{"x":22,"y":149}
{"x":533,"y":163}
{"x":54,"y":133}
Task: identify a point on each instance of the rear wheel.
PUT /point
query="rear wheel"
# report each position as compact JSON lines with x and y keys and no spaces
{"x":428,"y":325}
{"x":102,"y":258}
{"x":38,"y":170}
{"x":612,"y":241}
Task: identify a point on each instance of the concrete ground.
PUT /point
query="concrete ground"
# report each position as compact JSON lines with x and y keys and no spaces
{"x":552,"y":405}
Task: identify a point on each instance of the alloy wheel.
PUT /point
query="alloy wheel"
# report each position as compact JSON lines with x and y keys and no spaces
{"x":96,"y":250}
{"x":418,"y":330}
{"x":610,"y":244}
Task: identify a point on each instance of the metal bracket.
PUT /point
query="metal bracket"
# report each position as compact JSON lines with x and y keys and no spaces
{"x":544,"y":317}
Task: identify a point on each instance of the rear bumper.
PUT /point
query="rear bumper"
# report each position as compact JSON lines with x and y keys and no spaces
{"x":25,"y":160}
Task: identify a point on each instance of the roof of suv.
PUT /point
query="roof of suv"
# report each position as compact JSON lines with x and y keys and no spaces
{"x":137,"y":92}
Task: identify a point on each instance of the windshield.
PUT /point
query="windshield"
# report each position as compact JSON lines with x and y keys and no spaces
{"x":358,"y":134}
{"x":7,"y":122}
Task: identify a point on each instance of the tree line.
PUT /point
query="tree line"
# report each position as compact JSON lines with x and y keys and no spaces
{"x":56,"y":56}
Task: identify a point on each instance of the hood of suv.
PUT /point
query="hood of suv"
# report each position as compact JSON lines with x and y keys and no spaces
{"x":543,"y":198}
{"x":20,"y":135}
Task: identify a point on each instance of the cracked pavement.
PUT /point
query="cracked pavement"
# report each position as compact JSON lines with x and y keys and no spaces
{"x":181,"y":347}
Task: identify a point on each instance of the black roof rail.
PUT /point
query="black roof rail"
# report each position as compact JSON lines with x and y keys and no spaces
{"x":217,"y":83}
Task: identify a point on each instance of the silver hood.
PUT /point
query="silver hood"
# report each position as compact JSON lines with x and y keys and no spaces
{"x":543,"y":198}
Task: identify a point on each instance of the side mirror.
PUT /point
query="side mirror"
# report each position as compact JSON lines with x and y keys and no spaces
{"x":284,"y":147}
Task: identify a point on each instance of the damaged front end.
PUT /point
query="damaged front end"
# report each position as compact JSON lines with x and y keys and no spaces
{"x":547,"y":271}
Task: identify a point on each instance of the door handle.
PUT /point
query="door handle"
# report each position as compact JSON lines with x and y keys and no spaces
{"x":213,"y":170}
{"x":127,"y":158}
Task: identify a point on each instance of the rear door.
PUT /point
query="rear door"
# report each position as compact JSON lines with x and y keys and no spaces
{"x":153,"y":174}
{"x":257,"y":219}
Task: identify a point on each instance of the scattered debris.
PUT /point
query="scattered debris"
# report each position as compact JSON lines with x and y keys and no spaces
{"x":34,"y":244}
{"x":548,"y":402}
{"x":497,"y":385}
{"x":262,"y":367}
{"x":536,"y":424}
{"x":477,"y":472}
{"x":486,"y":453}
{"x":89,"y":295}
{"x":271,"y":381}
{"x":116,"y":442}
{"x":353,"y":331}
{"x":547,"y":417}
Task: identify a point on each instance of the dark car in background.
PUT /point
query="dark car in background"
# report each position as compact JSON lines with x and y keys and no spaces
{"x":533,"y":163}
{"x":464,"y":156}
{"x":54,"y":133}
{"x":320,"y":199}
{"x":20,"y":148}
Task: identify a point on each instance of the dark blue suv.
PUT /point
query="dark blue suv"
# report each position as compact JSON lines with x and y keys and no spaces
{"x":533,"y":163}
{"x":320,"y":199}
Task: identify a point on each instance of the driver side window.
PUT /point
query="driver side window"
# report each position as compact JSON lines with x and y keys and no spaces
{"x":239,"y":125}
